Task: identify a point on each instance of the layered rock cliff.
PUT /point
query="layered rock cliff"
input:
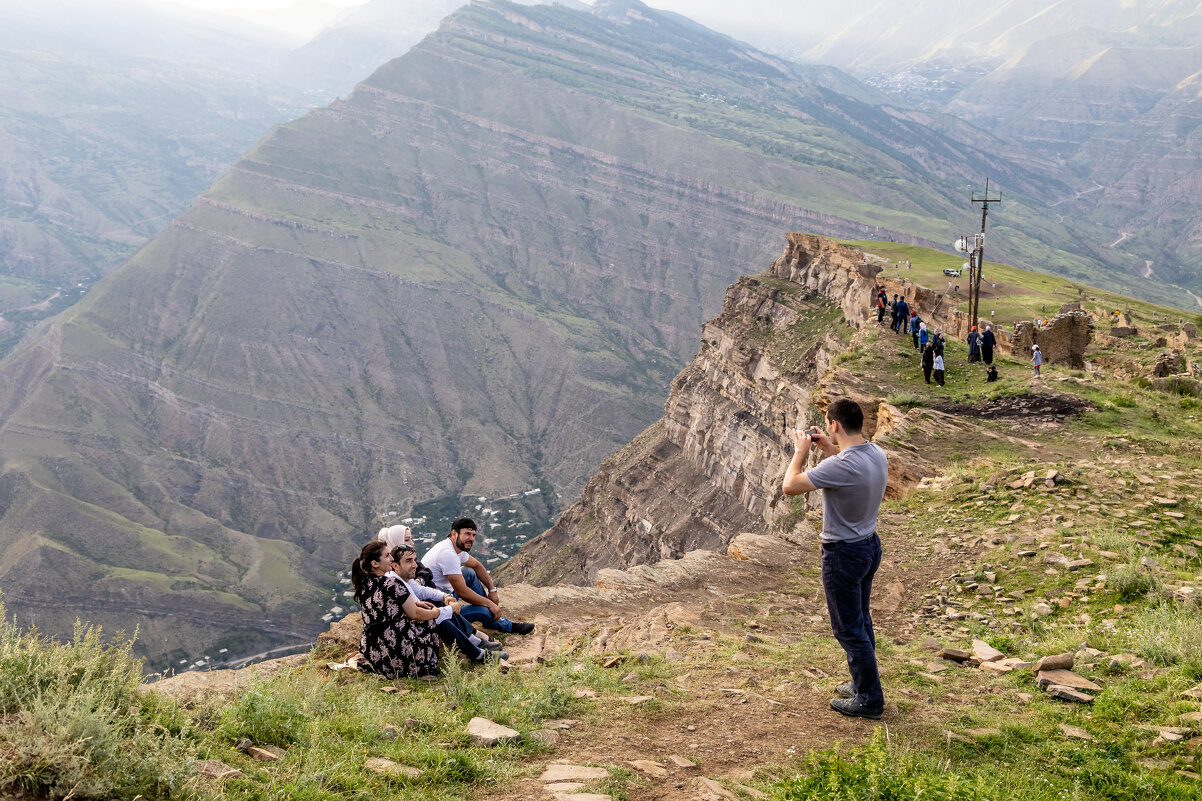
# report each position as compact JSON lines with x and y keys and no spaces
{"x":711,"y":468}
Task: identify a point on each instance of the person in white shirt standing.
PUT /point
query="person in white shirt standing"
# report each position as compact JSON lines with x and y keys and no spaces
{"x":457,"y":571}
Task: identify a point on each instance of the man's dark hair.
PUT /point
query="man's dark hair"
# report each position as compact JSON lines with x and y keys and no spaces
{"x":462,"y":523}
{"x":847,"y":413}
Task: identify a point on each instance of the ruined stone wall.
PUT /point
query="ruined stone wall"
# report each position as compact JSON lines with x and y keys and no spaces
{"x":1063,"y":340}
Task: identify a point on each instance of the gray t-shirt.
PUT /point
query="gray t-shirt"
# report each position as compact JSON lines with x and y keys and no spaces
{"x":853,"y":485}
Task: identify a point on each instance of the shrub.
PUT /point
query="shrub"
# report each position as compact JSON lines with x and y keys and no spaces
{"x":874,"y":771}
{"x":73,"y":723}
{"x":1133,"y":581}
{"x":1123,"y":401}
{"x":906,"y":400}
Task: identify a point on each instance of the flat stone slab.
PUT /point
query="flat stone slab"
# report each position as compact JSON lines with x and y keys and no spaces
{"x":486,"y":734}
{"x":954,"y":654}
{"x":1066,"y":678}
{"x":681,"y":762}
{"x":1054,"y":662}
{"x":1069,"y":694}
{"x":634,"y":700}
{"x":582,"y":797}
{"x":562,"y":787}
{"x":386,"y":767}
{"x":268,"y":754}
{"x":985,"y":652}
{"x":652,"y":769}
{"x":561,"y":723}
{"x":1075,"y":732}
{"x":572,"y":773}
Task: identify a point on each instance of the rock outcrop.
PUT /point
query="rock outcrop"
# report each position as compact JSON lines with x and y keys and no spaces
{"x":712,"y":467}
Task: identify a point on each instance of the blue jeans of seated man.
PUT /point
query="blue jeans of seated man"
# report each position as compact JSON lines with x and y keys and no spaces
{"x":459,"y":631}
{"x":847,"y":572}
{"x":480,"y":614}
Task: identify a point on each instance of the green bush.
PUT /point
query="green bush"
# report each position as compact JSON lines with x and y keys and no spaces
{"x":874,"y":772}
{"x":1133,"y":581}
{"x":906,"y":400}
{"x":265,"y":718}
{"x":1123,"y":401}
{"x":74,"y":725}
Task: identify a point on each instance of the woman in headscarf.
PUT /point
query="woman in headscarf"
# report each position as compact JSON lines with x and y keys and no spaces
{"x":988,"y":340}
{"x":399,"y":636}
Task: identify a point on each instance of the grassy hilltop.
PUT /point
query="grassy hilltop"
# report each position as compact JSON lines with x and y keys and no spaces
{"x":1063,"y":518}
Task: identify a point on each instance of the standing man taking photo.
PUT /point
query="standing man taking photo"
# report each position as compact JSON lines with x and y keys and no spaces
{"x":457,"y":571}
{"x":852,"y":478}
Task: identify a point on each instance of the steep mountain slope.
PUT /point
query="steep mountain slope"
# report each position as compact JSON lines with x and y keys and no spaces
{"x":477,"y":274}
{"x":112,"y":120}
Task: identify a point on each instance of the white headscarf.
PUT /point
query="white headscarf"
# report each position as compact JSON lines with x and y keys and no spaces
{"x":392,"y":536}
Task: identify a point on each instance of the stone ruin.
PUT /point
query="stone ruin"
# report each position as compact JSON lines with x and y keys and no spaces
{"x":1063,"y":340}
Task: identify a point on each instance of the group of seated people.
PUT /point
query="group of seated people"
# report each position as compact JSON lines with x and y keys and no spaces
{"x":408,"y":607}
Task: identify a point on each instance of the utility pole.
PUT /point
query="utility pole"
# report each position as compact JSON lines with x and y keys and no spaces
{"x":977,"y":265}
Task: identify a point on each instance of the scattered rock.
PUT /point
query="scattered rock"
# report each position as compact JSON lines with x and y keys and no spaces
{"x":581,"y":797}
{"x":1066,"y":678}
{"x":710,"y":790}
{"x":652,"y":769}
{"x":386,"y":767}
{"x":681,"y":762}
{"x":560,"y":724}
{"x":486,"y":734}
{"x":634,"y":700}
{"x":954,"y":654}
{"x":548,"y":737}
{"x":1069,"y":694}
{"x":1054,"y":662}
{"x":985,"y":652}
{"x":558,"y":772}
{"x":1075,"y":732}
{"x":268,"y":753}
{"x":1193,"y":692}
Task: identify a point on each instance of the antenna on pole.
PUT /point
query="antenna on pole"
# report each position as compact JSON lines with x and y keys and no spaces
{"x":977,"y":261}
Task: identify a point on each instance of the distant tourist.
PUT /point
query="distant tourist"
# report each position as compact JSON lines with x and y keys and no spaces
{"x":991,"y":374}
{"x":937,"y":342}
{"x":974,"y":345}
{"x":893,"y":314}
{"x":903,"y":316}
{"x":881,"y":302}
{"x":928,"y":362}
{"x":852,"y":479}
{"x":399,"y":636}
{"x":988,"y":341}
{"x":924,"y":336}
{"x":915,"y":321}
{"x":1036,"y":359}
{"x":457,"y":571}
{"x":938,"y":365}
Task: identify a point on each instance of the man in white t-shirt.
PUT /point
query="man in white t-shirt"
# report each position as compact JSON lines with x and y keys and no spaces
{"x":457,"y":571}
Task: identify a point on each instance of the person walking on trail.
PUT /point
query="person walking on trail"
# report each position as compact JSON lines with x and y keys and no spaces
{"x":928,"y":362}
{"x":924,"y":336}
{"x":903,"y":316}
{"x":974,"y":345}
{"x":1036,"y":359}
{"x":881,"y":303}
{"x":852,"y":477}
{"x":938,"y":365}
{"x":988,"y":341}
{"x":893,"y":314}
{"x":937,"y":342}
{"x":915,"y":321}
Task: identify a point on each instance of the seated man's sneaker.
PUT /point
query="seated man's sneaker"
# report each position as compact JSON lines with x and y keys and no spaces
{"x":490,"y":645}
{"x":518,"y":627}
{"x":845,"y":690}
{"x":849,"y":707}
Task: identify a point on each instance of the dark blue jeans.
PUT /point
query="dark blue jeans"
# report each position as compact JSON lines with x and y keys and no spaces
{"x":480,"y":614}
{"x":847,"y":572}
{"x":457,"y":631}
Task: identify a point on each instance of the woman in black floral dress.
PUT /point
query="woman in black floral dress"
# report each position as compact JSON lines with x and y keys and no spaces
{"x":399,"y":638}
